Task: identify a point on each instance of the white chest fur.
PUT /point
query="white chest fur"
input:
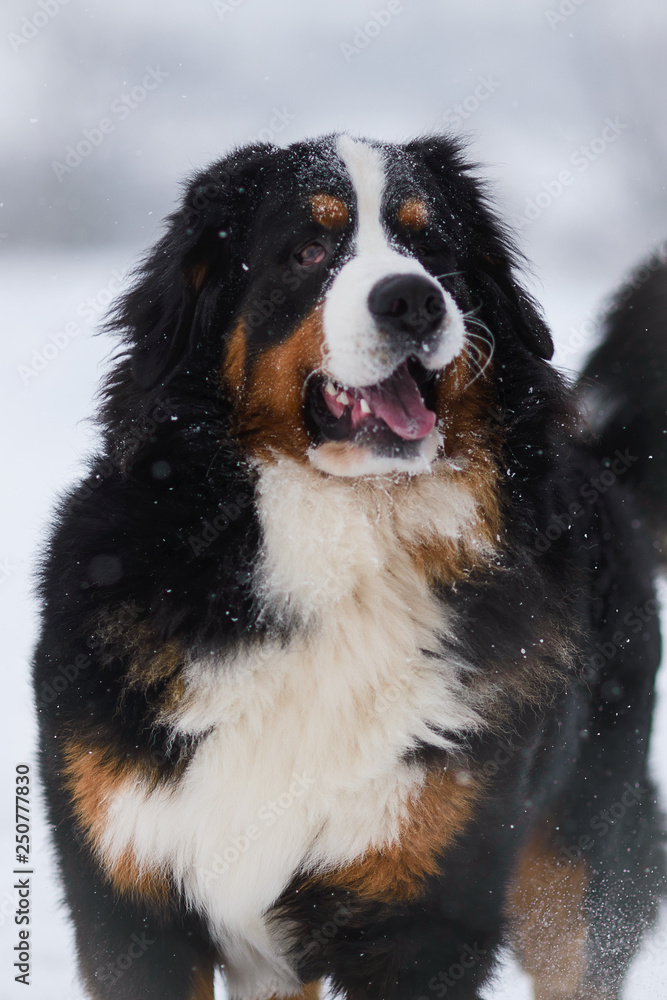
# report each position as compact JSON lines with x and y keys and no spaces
{"x":304,"y":763}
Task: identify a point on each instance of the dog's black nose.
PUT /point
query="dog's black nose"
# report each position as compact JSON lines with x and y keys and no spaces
{"x":409,"y":305}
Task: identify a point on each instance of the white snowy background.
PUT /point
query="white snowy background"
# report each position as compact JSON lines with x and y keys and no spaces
{"x":536,"y":84}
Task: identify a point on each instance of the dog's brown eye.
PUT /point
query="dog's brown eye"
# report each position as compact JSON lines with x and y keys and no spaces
{"x":313,"y":253}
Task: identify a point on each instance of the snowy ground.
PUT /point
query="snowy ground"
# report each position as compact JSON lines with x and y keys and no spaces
{"x":535,"y":84}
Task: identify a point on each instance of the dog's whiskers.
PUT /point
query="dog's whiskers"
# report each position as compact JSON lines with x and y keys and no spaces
{"x":449,"y":274}
{"x":478,"y":357}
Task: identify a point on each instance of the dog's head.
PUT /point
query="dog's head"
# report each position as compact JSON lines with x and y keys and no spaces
{"x":346,"y":296}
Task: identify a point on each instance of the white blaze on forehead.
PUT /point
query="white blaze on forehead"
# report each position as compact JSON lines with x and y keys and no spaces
{"x":357,"y":354}
{"x":366,"y":168}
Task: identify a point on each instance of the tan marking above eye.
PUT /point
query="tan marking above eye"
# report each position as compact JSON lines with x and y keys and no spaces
{"x":413,"y":214}
{"x":330,"y":212}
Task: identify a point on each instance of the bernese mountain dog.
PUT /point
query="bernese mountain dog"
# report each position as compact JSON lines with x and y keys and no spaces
{"x":350,"y":634}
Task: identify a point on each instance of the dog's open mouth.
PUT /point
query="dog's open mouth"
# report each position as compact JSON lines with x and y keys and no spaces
{"x":395,"y":414}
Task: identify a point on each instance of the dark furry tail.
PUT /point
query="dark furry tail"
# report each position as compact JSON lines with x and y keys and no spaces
{"x":624,"y":389}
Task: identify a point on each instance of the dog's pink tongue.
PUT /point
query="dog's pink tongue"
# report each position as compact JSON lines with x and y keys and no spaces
{"x":399,"y":403}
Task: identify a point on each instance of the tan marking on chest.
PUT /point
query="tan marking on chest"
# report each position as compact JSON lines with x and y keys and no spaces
{"x":93,"y":778}
{"x":470,"y":442}
{"x":435,"y":819}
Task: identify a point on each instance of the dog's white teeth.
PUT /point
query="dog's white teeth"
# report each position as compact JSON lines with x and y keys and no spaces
{"x":365,"y":408}
{"x":330,"y":389}
{"x":343,"y":399}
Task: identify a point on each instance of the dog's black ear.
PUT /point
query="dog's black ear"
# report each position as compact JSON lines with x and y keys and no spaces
{"x":157,"y":317}
{"x":158,"y":312}
{"x":485,"y":243}
{"x":505,"y":301}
